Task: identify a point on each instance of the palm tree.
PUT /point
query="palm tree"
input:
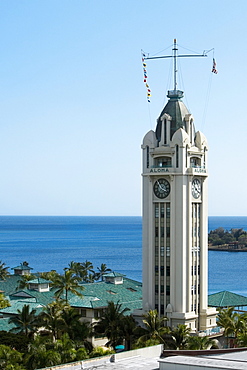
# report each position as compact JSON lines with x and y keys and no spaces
{"x":81,"y":333}
{"x":38,"y":355}
{"x":154,"y":328}
{"x":51,"y":318}
{"x":24,"y":281}
{"x":179,"y":337}
{"x":50,"y":275}
{"x":66,"y":348}
{"x":109,"y":324}
{"x":197,"y":343}
{"x":227,"y":319}
{"x":77,"y":269}
{"x":3,"y":271}
{"x":70,"y":317}
{"x":67,"y":283}
{"x":103,"y":269}
{"x":25,"y":321}
{"x":87,"y":267}
{"x":128,"y":327}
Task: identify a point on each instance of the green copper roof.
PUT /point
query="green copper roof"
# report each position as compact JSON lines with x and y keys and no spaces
{"x":22,"y":267}
{"x":176,"y":109}
{"x":226,"y":299}
{"x":97,"y":295}
{"x":18,"y":305}
{"x":39,"y":281}
{"x":113,"y":274}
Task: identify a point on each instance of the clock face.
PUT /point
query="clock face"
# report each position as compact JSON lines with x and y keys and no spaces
{"x":196,"y":188}
{"x":162,"y":188}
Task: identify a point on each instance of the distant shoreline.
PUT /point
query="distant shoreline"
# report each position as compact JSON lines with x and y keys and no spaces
{"x":226,"y":249}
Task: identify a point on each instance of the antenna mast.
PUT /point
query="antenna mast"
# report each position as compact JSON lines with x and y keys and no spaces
{"x":175,"y":55}
{"x":175,"y":49}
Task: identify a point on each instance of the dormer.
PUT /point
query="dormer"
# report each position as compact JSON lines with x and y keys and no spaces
{"x":113,"y":278}
{"x":39,"y":284}
{"x":23,"y":269}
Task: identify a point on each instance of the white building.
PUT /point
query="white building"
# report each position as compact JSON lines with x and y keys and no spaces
{"x":175,"y":219}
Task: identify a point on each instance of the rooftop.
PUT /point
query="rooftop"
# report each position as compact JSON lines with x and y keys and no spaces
{"x":226,"y":299}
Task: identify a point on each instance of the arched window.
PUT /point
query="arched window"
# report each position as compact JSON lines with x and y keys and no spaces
{"x":165,"y":132}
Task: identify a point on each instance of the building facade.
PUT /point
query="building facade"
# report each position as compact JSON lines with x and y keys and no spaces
{"x":175,"y":219}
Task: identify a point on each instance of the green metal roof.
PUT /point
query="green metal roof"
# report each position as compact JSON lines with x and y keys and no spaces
{"x":39,"y":281}
{"x":22,"y":267}
{"x":176,"y":109}
{"x":113,"y":274}
{"x":97,"y":295}
{"x":18,"y":305}
{"x":226,"y":299}
{"x":5,"y":325}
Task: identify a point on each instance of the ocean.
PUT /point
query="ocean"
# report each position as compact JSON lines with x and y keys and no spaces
{"x":52,"y":242}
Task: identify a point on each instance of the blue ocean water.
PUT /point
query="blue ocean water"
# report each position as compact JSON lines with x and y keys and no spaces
{"x":52,"y":242}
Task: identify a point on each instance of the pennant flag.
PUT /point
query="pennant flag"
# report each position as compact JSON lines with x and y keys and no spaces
{"x":214,"y":70}
{"x":145,"y":76}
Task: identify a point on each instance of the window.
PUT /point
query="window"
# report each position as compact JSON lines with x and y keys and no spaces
{"x":165,"y":129}
{"x":168,"y":251}
{"x":186,"y":156}
{"x":83,"y":313}
{"x":162,"y":210}
{"x":163,"y":162}
{"x":147,"y":156}
{"x":96,"y":314}
{"x":177,"y":158}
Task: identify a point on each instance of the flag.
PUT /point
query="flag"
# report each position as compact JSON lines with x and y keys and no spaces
{"x":145,"y":75}
{"x":214,"y":70}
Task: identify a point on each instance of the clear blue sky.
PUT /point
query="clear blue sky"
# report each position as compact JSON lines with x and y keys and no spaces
{"x":73,"y":106}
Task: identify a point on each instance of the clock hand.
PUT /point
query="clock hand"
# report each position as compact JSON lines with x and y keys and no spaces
{"x":161,"y":187}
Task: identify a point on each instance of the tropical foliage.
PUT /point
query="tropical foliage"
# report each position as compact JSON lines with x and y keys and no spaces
{"x":3,"y":271}
{"x":234,"y":325}
{"x":109,"y":324}
{"x":154,"y":329}
{"x":66,"y":283}
{"x":221,"y":236}
{"x":25,"y":321}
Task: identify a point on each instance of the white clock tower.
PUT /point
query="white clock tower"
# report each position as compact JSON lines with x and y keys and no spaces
{"x":175,"y":219}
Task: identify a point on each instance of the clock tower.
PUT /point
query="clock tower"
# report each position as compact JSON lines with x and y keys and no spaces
{"x":175,"y":219}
